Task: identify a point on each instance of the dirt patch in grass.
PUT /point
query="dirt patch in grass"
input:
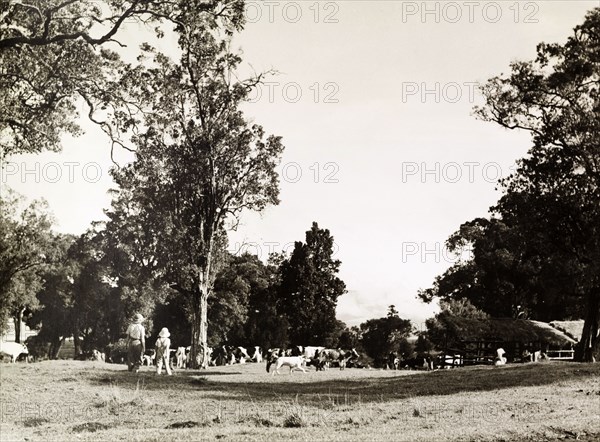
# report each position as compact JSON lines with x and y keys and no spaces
{"x":68,"y":379}
{"x":199,"y":381}
{"x":35,"y":421}
{"x":91,"y":427}
{"x":186,"y":424}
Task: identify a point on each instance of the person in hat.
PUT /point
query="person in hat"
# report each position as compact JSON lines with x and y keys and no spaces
{"x":136,"y":343}
{"x":163,"y":343}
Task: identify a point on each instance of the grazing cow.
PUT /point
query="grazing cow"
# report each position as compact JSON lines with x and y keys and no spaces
{"x":272,"y":355}
{"x":218,"y":356}
{"x":98,"y":355}
{"x":324,"y":357}
{"x":13,"y":349}
{"x":241,"y":355}
{"x":148,"y":358}
{"x":181,"y":357}
{"x":297,"y":350}
{"x":346,"y":356}
{"x":256,"y":354}
{"x":393,"y":361}
{"x":328,"y":356}
{"x":230,"y":357}
{"x":294,"y":362}
{"x":173,"y":357}
{"x":309,"y":352}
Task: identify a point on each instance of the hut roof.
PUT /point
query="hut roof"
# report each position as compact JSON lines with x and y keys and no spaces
{"x":573,"y":329}
{"x":505,"y":330}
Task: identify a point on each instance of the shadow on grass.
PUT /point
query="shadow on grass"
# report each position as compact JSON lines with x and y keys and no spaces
{"x":362,"y":388}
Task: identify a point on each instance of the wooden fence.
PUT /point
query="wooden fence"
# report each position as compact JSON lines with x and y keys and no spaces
{"x":564,"y":355}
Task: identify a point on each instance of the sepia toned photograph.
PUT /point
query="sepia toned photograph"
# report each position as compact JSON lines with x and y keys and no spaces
{"x":309,"y":220}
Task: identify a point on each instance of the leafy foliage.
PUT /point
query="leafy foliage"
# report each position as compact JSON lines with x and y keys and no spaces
{"x":310,"y":289}
{"x":539,"y":254}
{"x":385,"y":335}
{"x":199,"y":162}
{"x":26,"y":245}
{"x":55,"y":56}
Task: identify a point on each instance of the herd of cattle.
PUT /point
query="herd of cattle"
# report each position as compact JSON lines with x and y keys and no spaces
{"x":296,"y":358}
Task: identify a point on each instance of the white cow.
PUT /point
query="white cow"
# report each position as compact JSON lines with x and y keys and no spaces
{"x":258,"y":357}
{"x":13,"y":349}
{"x":181,"y":357}
{"x":309,"y":352}
{"x":294,"y":362}
{"x":242,"y":354}
{"x":98,"y":355}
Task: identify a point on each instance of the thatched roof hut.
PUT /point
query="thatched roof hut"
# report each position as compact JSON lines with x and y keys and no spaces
{"x":573,"y":329}
{"x":480,"y":338}
{"x":506,"y":330}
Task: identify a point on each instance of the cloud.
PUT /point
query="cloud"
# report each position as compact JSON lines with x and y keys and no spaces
{"x":357,"y":306}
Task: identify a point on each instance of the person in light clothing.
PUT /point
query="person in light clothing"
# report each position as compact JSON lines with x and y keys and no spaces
{"x":163,"y":343}
{"x":136,"y":343}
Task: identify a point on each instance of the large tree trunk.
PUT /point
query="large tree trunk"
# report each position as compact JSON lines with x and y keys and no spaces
{"x":589,"y":342}
{"x":76,"y":345}
{"x":199,"y":350}
{"x":204,"y":328}
{"x":18,"y":322}
{"x":55,"y":347}
{"x":196,"y":342}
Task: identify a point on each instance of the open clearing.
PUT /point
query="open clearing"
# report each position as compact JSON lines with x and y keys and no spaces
{"x":73,"y":400}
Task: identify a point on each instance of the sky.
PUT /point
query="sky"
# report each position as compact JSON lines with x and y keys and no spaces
{"x":374,"y":102}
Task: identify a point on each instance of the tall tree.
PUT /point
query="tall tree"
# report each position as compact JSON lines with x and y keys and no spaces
{"x":538,"y":255}
{"x":385,"y":335}
{"x":199,"y":162}
{"x":266,"y":326}
{"x":25,"y":246}
{"x":514,"y":272}
{"x":54,"y":317}
{"x":556,"y":98}
{"x":310,"y":288}
{"x":438,"y":332}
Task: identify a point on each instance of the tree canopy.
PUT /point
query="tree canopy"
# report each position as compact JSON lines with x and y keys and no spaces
{"x":538,"y":256}
{"x":26,"y":245}
{"x":59,"y":54}
{"x":385,"y":335}
{"x":310,"y":289}
{"x":199,"y":162}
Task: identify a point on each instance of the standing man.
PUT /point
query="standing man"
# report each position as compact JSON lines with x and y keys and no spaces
{"x":136,"y":343}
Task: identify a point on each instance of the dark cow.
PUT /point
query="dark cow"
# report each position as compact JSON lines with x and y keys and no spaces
{"x":241,"y":355}
{"x":393,"y":361}
{"x":296,"y":351}
{"x":309,"y":352}
{"x":219,"y":355}
{"x":272,"y":355}
{"x":255,"y":354}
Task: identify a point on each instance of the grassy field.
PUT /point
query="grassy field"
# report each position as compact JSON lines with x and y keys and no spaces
{"x":72,"y":400}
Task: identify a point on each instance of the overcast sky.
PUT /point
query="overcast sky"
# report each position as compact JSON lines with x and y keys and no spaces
{"x":373,"y":100}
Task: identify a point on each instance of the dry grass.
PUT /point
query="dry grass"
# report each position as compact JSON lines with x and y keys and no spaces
{"x":72,"y":400}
